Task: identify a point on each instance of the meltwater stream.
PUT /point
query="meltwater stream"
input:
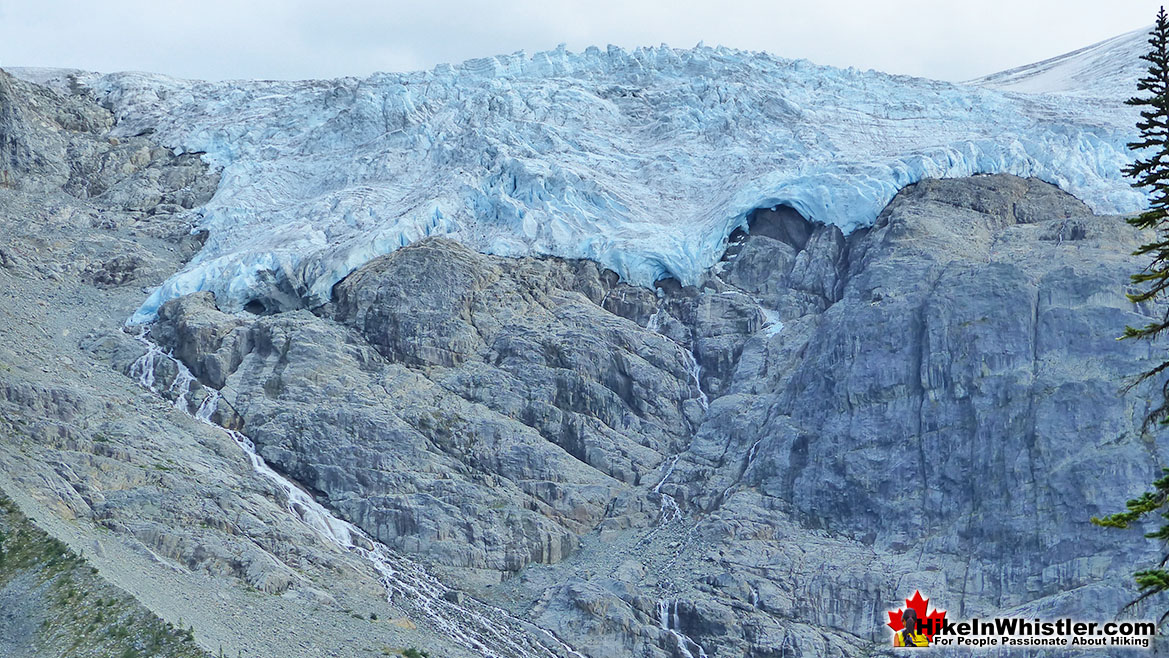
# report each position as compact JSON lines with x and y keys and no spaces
{"x":692,"y":366}
{"x":668,"y":621}
{"x":486,"y":630}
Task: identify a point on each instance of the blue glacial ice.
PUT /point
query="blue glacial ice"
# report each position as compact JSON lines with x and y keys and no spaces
{"x":643,"y":160}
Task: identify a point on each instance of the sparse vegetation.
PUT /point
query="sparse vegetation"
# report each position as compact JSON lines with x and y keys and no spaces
{"x":405,"y":653}
{"x":80,"y":615}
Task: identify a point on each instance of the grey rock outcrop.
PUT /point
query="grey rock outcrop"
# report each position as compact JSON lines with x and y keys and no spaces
{"x":165,"y":508}
{"x":489,"y":411}
{"x":758,"y":466}
{"x":927,"y":404}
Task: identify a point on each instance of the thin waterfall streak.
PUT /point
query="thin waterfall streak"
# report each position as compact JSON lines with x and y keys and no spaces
{"x":489,"y":632}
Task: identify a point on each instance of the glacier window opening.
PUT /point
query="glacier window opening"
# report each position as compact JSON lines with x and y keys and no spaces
{"x":782,"y":223}
{"x":644,"y":161}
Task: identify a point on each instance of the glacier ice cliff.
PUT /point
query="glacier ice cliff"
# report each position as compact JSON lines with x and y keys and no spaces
{"x":760,"y":465}
{"x":643,"y":161}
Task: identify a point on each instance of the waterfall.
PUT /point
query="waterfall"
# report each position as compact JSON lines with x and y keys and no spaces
{"x":484,"y":629}
{"x":692,"y":367}
{"x":181,"y":387}
{"x":143,"y":368}
{"x":751,"y":453}
{"x":669,"y":506}
{"x":668,"y":621}
{"x":695,"y":371}
{"x":655,"y":320}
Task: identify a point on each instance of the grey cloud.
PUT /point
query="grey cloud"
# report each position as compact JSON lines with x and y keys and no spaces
{"x":302,"y":39}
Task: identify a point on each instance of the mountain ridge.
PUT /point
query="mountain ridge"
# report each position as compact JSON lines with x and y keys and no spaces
{"x":759,"y":462}
{"x":644,"y":161}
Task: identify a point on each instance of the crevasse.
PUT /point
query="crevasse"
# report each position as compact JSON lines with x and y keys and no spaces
{"x":643,"y":160}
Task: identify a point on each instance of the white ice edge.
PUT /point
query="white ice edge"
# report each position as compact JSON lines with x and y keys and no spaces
{"x":643,"y":161}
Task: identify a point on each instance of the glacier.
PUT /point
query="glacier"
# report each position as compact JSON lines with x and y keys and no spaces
{"x":644,"y":161}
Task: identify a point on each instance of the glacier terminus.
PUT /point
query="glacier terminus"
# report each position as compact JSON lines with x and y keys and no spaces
{"x":643,"y":161}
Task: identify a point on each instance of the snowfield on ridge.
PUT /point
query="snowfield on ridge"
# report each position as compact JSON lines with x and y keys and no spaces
{"x":643,"y":160}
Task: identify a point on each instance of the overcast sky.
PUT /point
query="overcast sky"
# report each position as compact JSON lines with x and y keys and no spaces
{"x":219,"y":39}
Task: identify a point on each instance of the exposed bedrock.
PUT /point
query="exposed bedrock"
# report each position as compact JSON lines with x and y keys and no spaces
{"x":50,"y":142}
{"x":761,"y":465}
{"x":166,"y":509}
{"x":83,"y":216}
{"x":931,"y":403}
{"x":482,"y":411}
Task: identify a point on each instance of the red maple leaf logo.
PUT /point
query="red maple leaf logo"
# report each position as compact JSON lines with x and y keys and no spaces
{"x":919,"y":606}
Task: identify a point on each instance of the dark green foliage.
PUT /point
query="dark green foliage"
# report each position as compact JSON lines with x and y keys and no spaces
{"x":1150,"y":581}
{"x":1150,"y":172}
{"x":414,"y":653}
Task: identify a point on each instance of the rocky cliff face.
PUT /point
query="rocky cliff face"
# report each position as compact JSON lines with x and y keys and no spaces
{"x":761,"y":465}
{"x":932,"y":403}
{"x":166,"y":509}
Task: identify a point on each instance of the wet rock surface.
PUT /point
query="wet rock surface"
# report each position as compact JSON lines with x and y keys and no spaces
{"x":165,"y":508}
{"x":758,"y":466}
{"x":924,"y":404}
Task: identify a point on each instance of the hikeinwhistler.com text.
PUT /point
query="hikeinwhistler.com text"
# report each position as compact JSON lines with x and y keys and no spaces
{"x":1019,"y":632}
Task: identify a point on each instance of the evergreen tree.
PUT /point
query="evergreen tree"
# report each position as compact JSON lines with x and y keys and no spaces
{"x":1151,"y":173}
